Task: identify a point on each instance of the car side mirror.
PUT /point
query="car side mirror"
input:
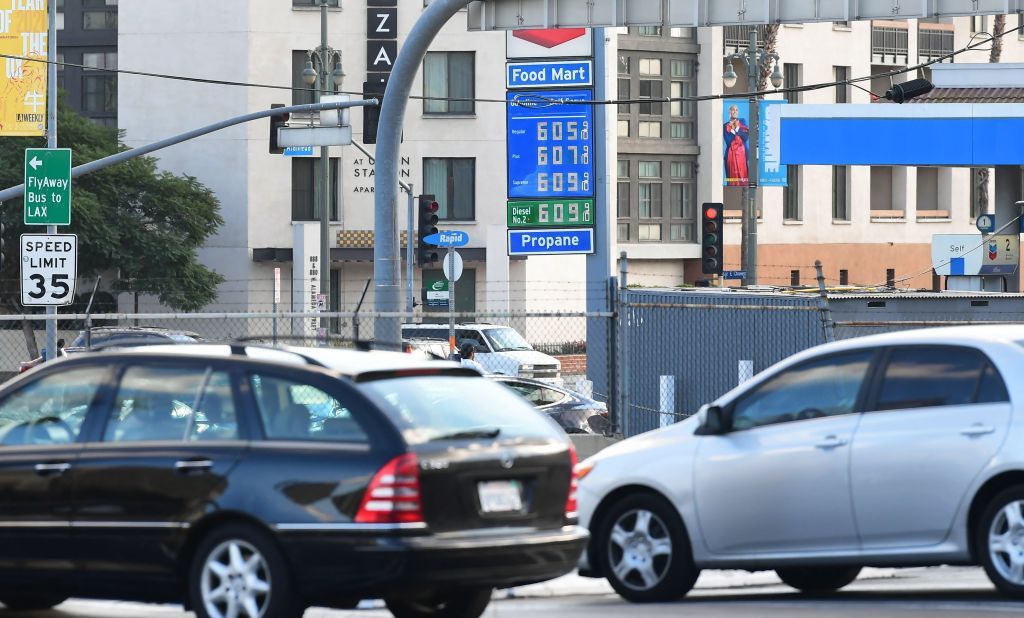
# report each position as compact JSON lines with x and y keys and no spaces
{"x":716,"y":422}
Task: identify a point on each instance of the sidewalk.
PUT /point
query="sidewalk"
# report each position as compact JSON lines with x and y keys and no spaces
{"x":574,"y":585}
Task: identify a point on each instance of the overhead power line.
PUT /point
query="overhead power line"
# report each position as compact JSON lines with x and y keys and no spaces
{"x":976,"y":43}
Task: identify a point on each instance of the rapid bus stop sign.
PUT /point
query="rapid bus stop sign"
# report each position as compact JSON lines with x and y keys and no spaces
{"x":47,"y":186}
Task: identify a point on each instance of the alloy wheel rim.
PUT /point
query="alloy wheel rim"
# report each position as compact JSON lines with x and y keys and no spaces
{"x":1006,"y":542}
{"x":235,"y":582}
{"x":639,"y":549}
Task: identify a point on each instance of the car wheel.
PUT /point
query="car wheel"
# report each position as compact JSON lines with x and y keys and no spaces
{"x":461,"y":603}
{"x":30,"y":601}
{"x":645,"y":552}
{"x":999,"y":538}
{"x":239,"y":571}
{"x":818,"y":579}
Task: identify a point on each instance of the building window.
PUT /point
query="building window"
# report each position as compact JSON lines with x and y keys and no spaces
{"x":624,"y":65}
{"x":979,"y":189}
{"x":301,"y":93}
{"x":792,"y":76}
{"x":314,"y":3}
{"x":60,"y":71}
{"x":622,"y":128}
{"x":304,"y":206}
{"x":623,"y":232}
{"x":794,"y":278}
{"x":651,"y":89}
{"x":927,"y":188}
{"x":977,"y":24}
{"x":649,"y":30}
{"x":99,"y":14}
{"x":453,"y":183}
{"x":679,"y":108}
{"x":791,"y":194}
{"x":682,"y":130}
{"x":681,"y":232}
{"x":890,"y":277}
{"x":682,"y":68}
{"x":650,"y":129}
{"x":649,"y":200}
{"x":649,"y":169}
{"x":844,"y":277}
{"x":881,"y":191}
{"x":842,"y":74}
{"x":650,"y":66}
{"x":840,"y":193}
{"x":623,"y":95}
{"x":649,"y":232}
{"x":622,"y":199}
{"x":682,"y":33}
{"x":60,"y":14}
{"x":99,"y":94}
{"x":448,"y":83}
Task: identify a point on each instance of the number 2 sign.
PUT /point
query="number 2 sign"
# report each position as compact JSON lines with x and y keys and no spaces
{"x":49,"y":267}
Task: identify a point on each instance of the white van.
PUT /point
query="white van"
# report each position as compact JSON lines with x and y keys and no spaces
{"x":500,"y":349}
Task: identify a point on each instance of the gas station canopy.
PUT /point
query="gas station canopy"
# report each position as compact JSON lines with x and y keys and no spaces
{"x":526,"y":14}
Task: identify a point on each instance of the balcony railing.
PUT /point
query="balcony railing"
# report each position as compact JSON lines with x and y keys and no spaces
{"x":934,"y":40}
{"x":890,"y":42}
{"x":738,"y":37}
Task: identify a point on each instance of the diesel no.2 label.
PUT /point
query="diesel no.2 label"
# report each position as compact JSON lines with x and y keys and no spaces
{"x":551,"y":143}
{"x":551,"y":213}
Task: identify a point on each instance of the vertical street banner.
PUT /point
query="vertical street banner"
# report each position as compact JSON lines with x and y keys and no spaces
{"x":736,"y":141}
{"x":770,"y":170}
{"x":23,"y":33}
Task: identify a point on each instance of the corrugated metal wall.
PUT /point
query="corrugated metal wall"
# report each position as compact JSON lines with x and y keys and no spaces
{"x":699,"y":338}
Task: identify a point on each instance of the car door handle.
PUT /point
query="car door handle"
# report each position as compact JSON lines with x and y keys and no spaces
{"x":192,"y":465}
{"x":977,"y":430}
{"x":831,"y":442}
{"x":45,"y":469}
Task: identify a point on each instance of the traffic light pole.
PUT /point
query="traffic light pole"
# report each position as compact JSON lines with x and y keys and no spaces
{"x":748,"y":257}
{"x":409,"y":255}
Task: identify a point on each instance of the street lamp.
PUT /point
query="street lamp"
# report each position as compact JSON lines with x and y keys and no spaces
{"x":755,"y":60}
{"x":327,"y":79}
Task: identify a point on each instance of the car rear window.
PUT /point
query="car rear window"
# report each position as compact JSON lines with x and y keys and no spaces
{"x":438,"y":407}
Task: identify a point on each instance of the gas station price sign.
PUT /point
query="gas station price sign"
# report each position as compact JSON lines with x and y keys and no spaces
{"x":550,"y":144}
{"x":551,"y":213}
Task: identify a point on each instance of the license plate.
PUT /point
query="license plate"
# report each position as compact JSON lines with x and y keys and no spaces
{"x":500,"y":496}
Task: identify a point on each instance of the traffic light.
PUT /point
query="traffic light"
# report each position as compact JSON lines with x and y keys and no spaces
{"x":276,"y":122}
{"x":371,"y":114}
{"x":711,"y":239}
{"x":426,"y":253}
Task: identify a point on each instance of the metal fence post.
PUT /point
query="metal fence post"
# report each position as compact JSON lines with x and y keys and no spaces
{"x":826,"y":311}
{"x":622,"y":423}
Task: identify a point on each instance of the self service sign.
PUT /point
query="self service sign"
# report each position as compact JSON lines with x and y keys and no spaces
{"x":550,"y":144}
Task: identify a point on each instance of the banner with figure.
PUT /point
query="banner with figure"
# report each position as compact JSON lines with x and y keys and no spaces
{"x":23,"y":33}
{"x":736,"y":136}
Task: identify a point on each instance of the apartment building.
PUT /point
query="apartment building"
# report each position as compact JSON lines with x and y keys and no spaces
{"x":87,"y":36}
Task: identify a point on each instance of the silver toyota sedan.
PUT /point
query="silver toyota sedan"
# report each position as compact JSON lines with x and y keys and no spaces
{"x":896,"y":450}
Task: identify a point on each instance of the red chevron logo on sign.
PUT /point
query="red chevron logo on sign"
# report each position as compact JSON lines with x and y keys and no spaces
{"x":550,"y":38}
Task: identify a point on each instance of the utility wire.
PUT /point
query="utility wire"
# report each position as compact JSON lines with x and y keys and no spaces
{"x":974,"y":45}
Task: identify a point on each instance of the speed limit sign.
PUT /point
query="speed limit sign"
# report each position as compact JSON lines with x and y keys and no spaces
{"x":49,"y":267}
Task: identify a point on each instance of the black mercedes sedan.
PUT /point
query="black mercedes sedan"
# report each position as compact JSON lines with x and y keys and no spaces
{"x":248,"y":481}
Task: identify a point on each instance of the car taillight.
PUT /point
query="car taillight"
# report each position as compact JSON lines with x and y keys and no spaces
{"x":393,"y":495}
{"x":570,"y":502}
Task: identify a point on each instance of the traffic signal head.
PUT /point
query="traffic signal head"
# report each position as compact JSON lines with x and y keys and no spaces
{"x":426,"y":253}
{"x":711,"y":239}
{"x":276,"y":122}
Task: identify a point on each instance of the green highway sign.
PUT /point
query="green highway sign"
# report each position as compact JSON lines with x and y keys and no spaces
{"x":572,"y":212}
{"x":47,"y":186}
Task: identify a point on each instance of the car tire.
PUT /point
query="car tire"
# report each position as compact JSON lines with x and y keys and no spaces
{"x":818,"y":580}
{"x":999,"y":539}
{"x":31,"y":601}
{"x":459,"y":603}
{"x":644,"y":550}
{"x":241,"y":564}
